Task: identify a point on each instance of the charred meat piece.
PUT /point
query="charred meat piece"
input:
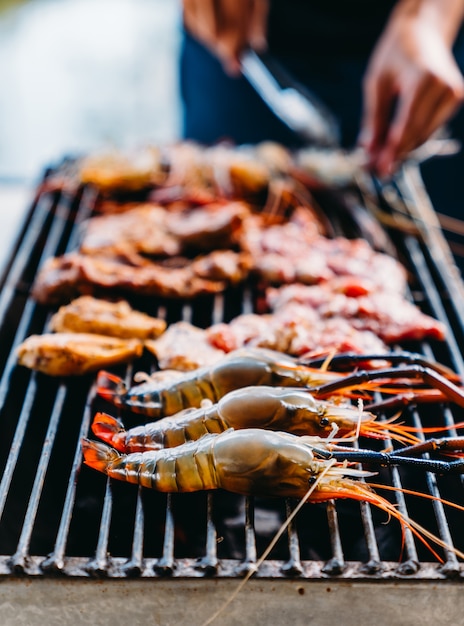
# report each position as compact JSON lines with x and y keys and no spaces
{"x":154,"y":230}
{"x":63,"y":278}
{"x":114,"y":319}
{"x":223,"y":265}
{"x":209,"y":227}
{"x":140,"y":229}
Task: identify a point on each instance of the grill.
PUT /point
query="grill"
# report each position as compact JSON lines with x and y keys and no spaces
{"x":111,"y":552}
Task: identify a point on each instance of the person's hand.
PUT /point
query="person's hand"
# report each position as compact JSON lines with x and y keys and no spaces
{"x":412,"y":87}
{"x":227,"y":27}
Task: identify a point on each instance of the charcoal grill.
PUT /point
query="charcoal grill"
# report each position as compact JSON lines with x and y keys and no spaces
{"x":77,"y":548}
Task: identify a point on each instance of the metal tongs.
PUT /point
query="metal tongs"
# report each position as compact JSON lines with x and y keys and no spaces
{"x":291,"y":102}
{"x":309,"y":118}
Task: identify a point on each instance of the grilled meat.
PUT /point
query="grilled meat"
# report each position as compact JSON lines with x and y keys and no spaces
{"x":130,"y":171}
{"x":63,"y":278}
{"x":69,"y":354}
{"x":389,"y":315}
{"x":294,"y":330}
{"x":114,"y":319}
{"x":184,"y":347}
{"x":153,"y":230}
{"x":295,"y":252}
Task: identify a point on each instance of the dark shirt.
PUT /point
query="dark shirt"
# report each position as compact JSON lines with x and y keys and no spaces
{"x":326,"y":27}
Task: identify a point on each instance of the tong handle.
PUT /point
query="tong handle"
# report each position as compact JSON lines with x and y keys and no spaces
{"x":295,"y":105}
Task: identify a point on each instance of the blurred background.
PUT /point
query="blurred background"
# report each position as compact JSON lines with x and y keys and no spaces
{"x":77,"y":75}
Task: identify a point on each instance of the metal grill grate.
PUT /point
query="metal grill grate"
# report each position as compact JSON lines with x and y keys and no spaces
{"x":57,"y":517}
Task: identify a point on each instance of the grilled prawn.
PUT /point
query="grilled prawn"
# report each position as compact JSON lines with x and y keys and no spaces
{"x":248,"y":462}
{"x":161,"y":395}
{"x":251,"y":461}
{"x":272,"y":408}
{"x":241,"y":368}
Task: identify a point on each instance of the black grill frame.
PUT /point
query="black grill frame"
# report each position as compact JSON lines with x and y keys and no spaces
{"x":41,"y":416}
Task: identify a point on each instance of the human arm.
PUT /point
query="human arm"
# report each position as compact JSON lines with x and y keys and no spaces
{"x":227,"y":27}
{"x":412,"y":85}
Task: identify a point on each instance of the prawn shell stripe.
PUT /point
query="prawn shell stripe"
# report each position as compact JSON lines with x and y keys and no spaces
{"x":242,"y":368}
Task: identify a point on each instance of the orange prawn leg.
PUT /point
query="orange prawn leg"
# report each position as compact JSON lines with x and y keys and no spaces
{"x":420,"y":396}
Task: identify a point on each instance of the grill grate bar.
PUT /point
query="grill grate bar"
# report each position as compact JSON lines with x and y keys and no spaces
{"x":209,"y":563}
{"x":17,"y":442}
{"x":374,"y":563}
{"x":87,"y":199}
{"x":19,"y":559}
{"x":45,"y":211}
{"x":451,"y":566}
{"x":55,"y":561}
{"x":58,"y":220}
{"x":336,"y":564}
{"x":134,"y":565}
{"x":165,"y":565}
{"x":99,"y":564}
{"x":418,"y":205}
{"x":411,"y":563}
{"x":63,"y":216}
{"x":250,"y":538}
{"x":218,"y":309}
{"x":293,"y":567}
{"x":435,"y":302}
{"x":41,"y":214}
{"x":7,"y":292}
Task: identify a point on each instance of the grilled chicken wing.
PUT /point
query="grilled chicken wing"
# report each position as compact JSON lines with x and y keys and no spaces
{"x":114,"y":319}
{"x":69,"y":354}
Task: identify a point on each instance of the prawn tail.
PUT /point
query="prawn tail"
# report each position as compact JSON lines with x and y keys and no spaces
{"x":109,"y":429}
{"x":98,"y":456}
{"x":110,"y":386}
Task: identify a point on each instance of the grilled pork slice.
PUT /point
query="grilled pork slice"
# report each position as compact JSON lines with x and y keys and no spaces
{"x":140,"y":229}
{"x":296,"y":252}
{"x":295,"y":330}
{"x":184,"y":347}
{"x":70,"y":354}
{"x":114,"y":319}
{"x":389,"y":315}
{"x":206,"y":228}
{"x":63,"y":278}
{"x":154,"y":230}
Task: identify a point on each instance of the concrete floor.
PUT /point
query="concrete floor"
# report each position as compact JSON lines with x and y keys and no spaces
{"x":79,"y":74}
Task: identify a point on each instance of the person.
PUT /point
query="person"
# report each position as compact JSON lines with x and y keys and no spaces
{"x":391,"y":71}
